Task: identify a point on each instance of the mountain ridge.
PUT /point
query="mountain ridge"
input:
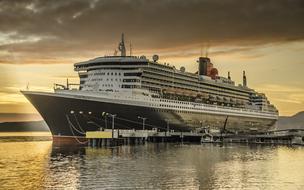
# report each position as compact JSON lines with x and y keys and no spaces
{"x":24,"y":126}
{"x":295,"y":121}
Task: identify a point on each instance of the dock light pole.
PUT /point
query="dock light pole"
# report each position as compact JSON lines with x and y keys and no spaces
{"x":144,"y":120}
{"x":168,"y":127}
{"x":104,"y":114}
{"x":113,"y":118}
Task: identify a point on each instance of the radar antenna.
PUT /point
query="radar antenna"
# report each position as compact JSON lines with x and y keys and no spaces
{"x":130,"y":48}
{"x":244,"y":79}
{"x":121,"y":46}
{"x":67,"y":84}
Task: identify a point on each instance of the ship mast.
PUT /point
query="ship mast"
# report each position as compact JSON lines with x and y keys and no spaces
{"x":121,"y":46}
{"x":244,"y":79}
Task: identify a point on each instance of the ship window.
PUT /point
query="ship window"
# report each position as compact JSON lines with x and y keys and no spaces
{"x":111,"y":73}
{"x":130,"y":80}
{"x":132,"y":74}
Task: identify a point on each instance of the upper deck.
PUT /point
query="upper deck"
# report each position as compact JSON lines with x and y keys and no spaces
{"x":127,"y":73}
{"x":108,"y":60}
{"x":162,"y":70}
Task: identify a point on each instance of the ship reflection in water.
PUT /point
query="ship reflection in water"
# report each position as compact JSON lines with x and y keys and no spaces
{"x":39,"y":165}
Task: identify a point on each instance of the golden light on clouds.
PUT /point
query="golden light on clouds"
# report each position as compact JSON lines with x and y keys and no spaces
{"x":288,"y":99}
{"x":40,"y":41}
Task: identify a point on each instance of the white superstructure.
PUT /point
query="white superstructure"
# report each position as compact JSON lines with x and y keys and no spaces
{"x":138,"y":81}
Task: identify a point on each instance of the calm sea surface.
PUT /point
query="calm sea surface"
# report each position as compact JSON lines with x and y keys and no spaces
{"x":37,"y":164}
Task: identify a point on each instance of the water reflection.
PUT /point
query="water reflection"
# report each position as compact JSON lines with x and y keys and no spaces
{"x":32,"y":165}
{"x":22,"y":164}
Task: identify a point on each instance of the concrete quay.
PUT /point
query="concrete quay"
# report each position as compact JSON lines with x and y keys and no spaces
{"x":124,"y":137}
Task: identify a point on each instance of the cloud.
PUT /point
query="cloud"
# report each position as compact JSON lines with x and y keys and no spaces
{"x":275,"y":88}
{"x":288,"y":99}
{"x":34,"y":28}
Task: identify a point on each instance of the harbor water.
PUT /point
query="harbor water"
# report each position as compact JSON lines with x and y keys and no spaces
{"x":38,"y":164}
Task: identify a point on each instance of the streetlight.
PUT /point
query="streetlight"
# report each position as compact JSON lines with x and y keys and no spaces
{"x":105,"y":119}
{"x":168,"y":127}
{"x":113,"y":117}
{"x":144,"y":120}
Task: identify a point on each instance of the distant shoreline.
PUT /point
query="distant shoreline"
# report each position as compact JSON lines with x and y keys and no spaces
{"x":24,"y":126}
{"x":19,"y":117}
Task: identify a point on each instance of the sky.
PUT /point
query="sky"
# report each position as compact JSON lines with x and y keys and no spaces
{"x":41,"y":40}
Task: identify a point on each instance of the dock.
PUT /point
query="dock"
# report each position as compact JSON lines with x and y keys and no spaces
{"x":132,"y":137}
{"x":280,"y":137}
{"x":121,"y":137}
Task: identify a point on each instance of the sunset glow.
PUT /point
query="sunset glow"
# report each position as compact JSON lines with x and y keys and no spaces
{"x":40,"y":43}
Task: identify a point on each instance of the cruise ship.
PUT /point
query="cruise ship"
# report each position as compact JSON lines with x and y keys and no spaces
{"x":134,"y":92}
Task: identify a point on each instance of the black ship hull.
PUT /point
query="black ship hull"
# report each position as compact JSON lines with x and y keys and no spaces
{"x":71,"y":117}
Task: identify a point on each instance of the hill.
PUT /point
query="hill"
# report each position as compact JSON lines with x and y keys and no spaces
{"x":293,"y":122}
{"x":18,"y":117}
{"x":23,"y":126}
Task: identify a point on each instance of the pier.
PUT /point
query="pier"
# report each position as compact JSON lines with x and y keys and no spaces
{"x":133,"y":137}
{"x":279,"y":137}
{"x":121,"y":137}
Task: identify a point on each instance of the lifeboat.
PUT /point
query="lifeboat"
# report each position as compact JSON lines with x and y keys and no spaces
{"x":239,"y":101}
{"x":232,"y":101}
{"x":212,"y":98}
{"x":226,"y":100}
{"x":204,"y":95}
{"x":219,"y":98}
